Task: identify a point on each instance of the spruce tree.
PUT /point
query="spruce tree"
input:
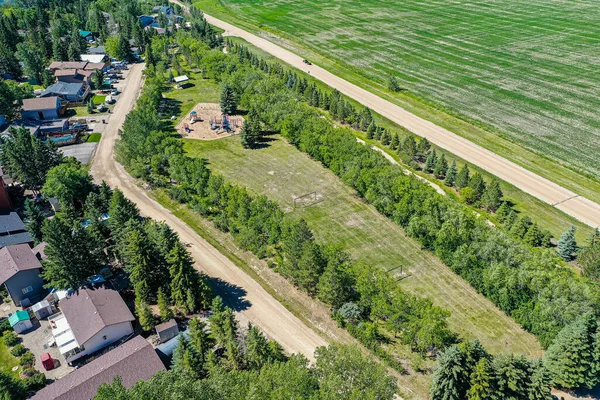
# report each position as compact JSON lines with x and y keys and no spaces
{"x":450,"y":380}
{"x":463,"y":178}
{"x":520,"y":227}
{"x":503,"y":211}
{"x":510,"y":219}
{"x":441,"y":166}
{"x":365,"y":119}
{"x":164,"y":309}
{"x":534,"y":236}
{"x":386,"y":137}
{"x":34,"y":220}
{"x":257,"y":349}
{"x":145,"y":316}
{"x":478,"y":184}
{"x":189,"y":289}
{"x":371,"y":130}
{"x":589,"y":257}
{"x":395,"y":142}
{"x":451,"y":174}
{"x":228,"y":100}
{"x":483,"y":383}
{"x":246,"y":137}
{"x":423,"y":148}
{"x":513,"y":376}
{"x":570,"y":359}
{"x":200,"y":339}
{"x":430,"y":162}
{"x":378,"y":133}
{"x":540,"y":387}
{"x":409,"y":146}
{"x":392,"y":84}
{"x":492,"y":196}
{"x":567,"y":246}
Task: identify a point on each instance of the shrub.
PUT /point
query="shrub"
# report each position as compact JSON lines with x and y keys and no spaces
{"x":18,"y":350}
{"x":27,"y":359}
{"x":35,"y":382}
{"x":4,"y":326}
{"x":11,"y":338}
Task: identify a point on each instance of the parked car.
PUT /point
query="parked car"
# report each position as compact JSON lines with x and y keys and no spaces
{"x":102,"y":108}
{"x":114,"y":92}
{"x":306,"y":62}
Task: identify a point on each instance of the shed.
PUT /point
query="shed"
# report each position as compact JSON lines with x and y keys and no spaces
{"x":42,"y":310}
{"x":167,"y":330}
{"x":47,"y":361}
{"x":20,"y":321}
{"x":180,"y":79}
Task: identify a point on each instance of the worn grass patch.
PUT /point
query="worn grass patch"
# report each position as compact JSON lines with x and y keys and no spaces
{"x":282,"y":172}
{"x":515,"y":80}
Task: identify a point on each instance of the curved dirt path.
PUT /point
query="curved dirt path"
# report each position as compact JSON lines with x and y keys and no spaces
{"x":565,"y":200}
{"x":264,"y":311}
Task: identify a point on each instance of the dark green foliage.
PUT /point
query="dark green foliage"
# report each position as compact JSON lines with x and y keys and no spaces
{"x":145,"y":316}
{"x":503,"y":211}
{"x":27,"y":359}
{"x":513,"y":374}
{"x":409,"y":146}
{"x":189,"y":288}
{"x":68,"y":182}
{"x":10,"y":338}
{"x":567,"y":246}
{"x":11,"y":388}
{"x":478,"y":184}
{"x":534,"y":236}
{"x":34,"y":220}
{"x":463,"y":178}
{"x":251,"y":131}
{"x":164,"y":308}
{"x":483,"y":382}
{"x":451,"y":378}
{"x":18,"y":350}
{"x":371,"y":129}
{"x":520,"y":227}
{"x":451,"y":174}
{"x":11,"y":98}
{"x":393,"y":84}
{"x":386,"y":138}
{"x":228,"y":100}
{"x":492,"y":196}
{"x":431,"y":161}
{"x":441,"y":166}
{"x":540,"y":382}
{"x":394,"y":145}
{"x":589,"y":257}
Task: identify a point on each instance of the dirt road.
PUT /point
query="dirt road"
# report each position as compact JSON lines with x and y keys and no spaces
{"x":569,"y":202}
{"x":263,"y":310}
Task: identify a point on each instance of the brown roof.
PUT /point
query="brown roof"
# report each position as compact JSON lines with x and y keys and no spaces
{"x":88,"y":311}
{"x":92,"y":66}
{"x":133,"y":361}
{"x":16,"y":258}
{"x":40,"y":103}
{"x":85,"y":72}
{"x":65,"y":72}
{"x":68,"y":64}
{"x":166,"y":325}
{"x":40,"y":251}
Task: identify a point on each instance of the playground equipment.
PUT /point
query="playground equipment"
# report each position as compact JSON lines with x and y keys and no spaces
{"x":194,"y":117}
{"x":225,"y":122}
{"x":187,"y":128}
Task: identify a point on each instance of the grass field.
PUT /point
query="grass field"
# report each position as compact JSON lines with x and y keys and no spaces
{"x":7,"y":360}
{"x":282,"y":172}
{"x":520,"y":76}
{"x":181,"y":101}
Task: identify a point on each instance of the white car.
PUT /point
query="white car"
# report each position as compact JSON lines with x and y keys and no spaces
{"x":114,"y":92}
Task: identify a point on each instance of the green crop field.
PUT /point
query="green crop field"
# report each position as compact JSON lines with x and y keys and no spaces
{"x":524,"y":70}
{"x":282,"y":172}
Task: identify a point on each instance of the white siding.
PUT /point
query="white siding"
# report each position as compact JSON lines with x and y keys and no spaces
{"x":97,"y":342}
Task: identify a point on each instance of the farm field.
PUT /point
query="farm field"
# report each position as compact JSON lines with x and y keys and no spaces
{"x":282,"y":172}
{"x":520,"y":73}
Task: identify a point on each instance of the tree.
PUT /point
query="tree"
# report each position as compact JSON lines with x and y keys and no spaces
{"x":118,"y":47}
{"x":344,"y":373}
{"x":9,"y":64}
{"x":567,"y":246}
{"x":371,"y":129}
{"x":431,"y":161}
{"x":60,"y":49}
{"x":145,"y":316}
{"x":258,"y":351}
{"x":11,"y":98}
{"x":137,"y":254}
{"x":392,"y":84}
{"x":33,"y":60}
{"x":450,"y":378}
{"x":570,"y":359}
{"x":200,"y":339}
{"x":28,"y":159}
{"x":589,"y":257}
{"x":90,"y":106}
{"x":336,"y":284}
{"x":520,"y":227}
{"x":189,"y":289}
{"x":451,"y":174}
{"x":468,"y":195}
{"x":74,"y":254}
{"x":513,"y":375}
{"x":534,"y":236}
{"x":482,"y":381}
{"x":541,"y":382}
{"x":34,"y":220}
{"x":228,"y":100}
{"x":441,"y":166}
{"x":121,"y":210}
{"x":98,"y":79}
{"x":69,"y":183}
{"x":386,"y":137}
{"x":476,"y":182}
{"x":409,"y":146}
{"x":76,"y":47}
{"x":492,"y":196}
{"x":185,"y":359}
{"x":395,"y":142}
{"x":164,"y":308}
{"x":463,"y":178}
{"x":423,"y":148}
{"x":503,"y":211}
{"x":251,"y":131}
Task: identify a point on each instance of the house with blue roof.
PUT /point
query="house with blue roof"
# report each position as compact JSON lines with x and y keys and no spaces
{"x":146,"y":20}
{"x":71,"y":92}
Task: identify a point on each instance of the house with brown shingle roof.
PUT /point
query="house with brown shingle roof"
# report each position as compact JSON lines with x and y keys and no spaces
{"x":90,"y":319}
{"x":20,"y":273}
{"x":74,"y":76}
{"x":42,"y":108}
{"x":67,"y":65}
{"x":133,"y":361}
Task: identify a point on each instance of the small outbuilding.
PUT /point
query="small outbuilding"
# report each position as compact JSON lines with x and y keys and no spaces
{"x":20,"y":321}
{"x":42,"y":310}
{"x":167,"y":330}
{"x":47,"y":361}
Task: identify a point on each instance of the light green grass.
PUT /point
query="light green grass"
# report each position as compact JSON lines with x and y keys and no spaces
{"x":94,"y":137}
{"x":7,"y":360}
{"x":99,"y":99}
{"x":503,"y":77}
{"x":282,"y":172}
{"x":196,"y":88}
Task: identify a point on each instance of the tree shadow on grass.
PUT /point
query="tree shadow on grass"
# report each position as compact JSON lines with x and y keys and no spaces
{"x":233,"y":296}
{"x":170,"y":107}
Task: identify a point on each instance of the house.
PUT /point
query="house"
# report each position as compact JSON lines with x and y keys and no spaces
{"x":87,"y":35}
{"x":71,"y":92}
{"x":32,"y":126}
{"x":94,"y":58}
{"x":91,"y":319}
{"x":20,"y":273}
{"x":5,"y":180}
{"x":133,"y":361}
{"x":146,"y":20}
{"x":97,"y":50}
{"x":42,"y":108}
{"x":167,"y":330}
{"x":74,"y":76}
{"x":12,"y":230}
{"x":20,"y":321}
{"x":40,"y":251}
{"x":56,"y":65}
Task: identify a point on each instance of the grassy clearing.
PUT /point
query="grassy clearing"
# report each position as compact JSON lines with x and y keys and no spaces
{"x":282,"y":172}
{"x":181,"y":101}
{"x":99,"y":99}
{"x":7,"y":360}
{"x":495,"y":75}
{"x":94,"y":137}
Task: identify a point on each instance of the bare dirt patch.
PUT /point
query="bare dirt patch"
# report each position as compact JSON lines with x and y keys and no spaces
{"x":208,"y":116}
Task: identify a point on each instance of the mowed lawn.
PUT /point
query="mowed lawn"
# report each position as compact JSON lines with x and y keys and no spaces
{"x":525,"y":70}
{"x":183,"y":100}
{"x":7,"y":360}
{"x":282,"y":172}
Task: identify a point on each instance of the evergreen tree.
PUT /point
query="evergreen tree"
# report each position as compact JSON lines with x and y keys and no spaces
{"x":513,"y":375}
{"x":503,"y":211}
{"x":137,"y":253}
{"x":200,"y":339}
{"x":121,"y":210}
{"x":541,"y":382}
{"x":257,"y":349}
{"x":228,"y":100}
{"x":336,"y":284}
{"x":34,"y":220}
{"x":251,"y":130}
{"x":589,"y":257}
{"x":395,"y":142}
{"x":510,"y":219}
{"x":423,"y":148}
{"x":441,"y":166}
{"x":520,"y":227}
{"x":483,"y":385}
{"x":409,"y":146}
{"x":386,"y":137}
{"x":164,"y":308}
{"x":9,"y":63}
{"x":185,"y":361}
{"x":567,"y":246}
{"x":145,"y":316}
{"x":450,"y":378}
{"x":189,"y":289}
{"x":451,"y":174}
{"x":463,"y":178}
{"x":431,"y":161}
{"x":365,"y":119}
{"x":60,"y":50}
{"x":534,"y":236}
{"x":393,"y":84}
{"x":90,"y":106}
{"x":571,"y":359}
{"x":492,"y":196}
{"x":478,"y":184}
{"x":372,"y":128}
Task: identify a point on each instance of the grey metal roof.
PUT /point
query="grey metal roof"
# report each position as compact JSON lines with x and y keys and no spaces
{"x":62,"y":89}
{"x":10,"y":222}
{"x":133,"y":361}
{"x":15,"y":238}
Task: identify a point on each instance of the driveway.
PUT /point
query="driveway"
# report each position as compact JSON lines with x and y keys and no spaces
{"x":82,"y":152}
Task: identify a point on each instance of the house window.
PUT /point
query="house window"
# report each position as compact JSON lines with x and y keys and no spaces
{"x":27,"y":290}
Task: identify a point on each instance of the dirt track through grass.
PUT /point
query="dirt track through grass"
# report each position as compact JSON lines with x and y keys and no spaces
{"x":282,"y":172}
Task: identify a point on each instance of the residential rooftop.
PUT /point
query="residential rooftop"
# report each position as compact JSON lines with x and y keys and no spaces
{"x":16,"y":258}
